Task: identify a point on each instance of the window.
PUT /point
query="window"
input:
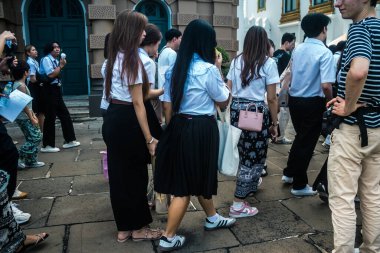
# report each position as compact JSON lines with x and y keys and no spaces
{"x":261,"y":4}
{"x":290,"y":11}
{"x":323,"y":6}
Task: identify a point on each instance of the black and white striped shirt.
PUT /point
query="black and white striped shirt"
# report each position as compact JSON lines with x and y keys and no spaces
{"x":364,"y":41}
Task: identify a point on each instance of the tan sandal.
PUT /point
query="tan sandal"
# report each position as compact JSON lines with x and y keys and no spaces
{"x":149,"y":234}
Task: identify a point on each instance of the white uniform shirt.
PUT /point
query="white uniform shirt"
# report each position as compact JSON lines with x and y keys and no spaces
{"x":119,"y":87}
{"x":257,"y":87}
{"x":313,"y":64}
{"x":204,"y":86}
{"x":34,"y":67}
{"x":104,"y":103}
{"x":166,"y":61}
{"x":48,"y":65}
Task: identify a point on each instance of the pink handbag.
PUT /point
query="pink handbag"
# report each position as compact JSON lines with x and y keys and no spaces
{"x":250,"y":121}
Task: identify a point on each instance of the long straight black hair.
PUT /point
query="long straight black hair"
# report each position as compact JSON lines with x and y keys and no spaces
{"x":199,"y":37}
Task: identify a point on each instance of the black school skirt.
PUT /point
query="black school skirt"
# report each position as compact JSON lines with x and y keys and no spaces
{"x":187,"y":157}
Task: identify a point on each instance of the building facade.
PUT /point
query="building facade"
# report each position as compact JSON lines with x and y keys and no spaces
{"x":80,"y":27}
{"x":281,"y":16}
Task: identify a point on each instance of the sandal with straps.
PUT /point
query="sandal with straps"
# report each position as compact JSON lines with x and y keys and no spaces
{"x":149,"y":234}
{"x":127,"y":234}
{"x":40,"y":238}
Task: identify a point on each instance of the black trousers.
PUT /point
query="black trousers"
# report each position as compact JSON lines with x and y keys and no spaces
{"x":306,"y":115}
{"x":127,"y":164}
{"x":322,"y":177}
{"x":55,"y":107}
{"x":8,"y":159}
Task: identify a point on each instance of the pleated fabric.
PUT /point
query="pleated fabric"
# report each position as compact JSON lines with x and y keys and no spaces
{"x":187,"y":157}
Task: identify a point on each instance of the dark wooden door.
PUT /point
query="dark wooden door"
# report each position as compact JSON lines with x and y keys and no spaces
{"x":62,"y":21}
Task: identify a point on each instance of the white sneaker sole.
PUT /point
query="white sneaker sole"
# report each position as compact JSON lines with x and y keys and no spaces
{"x":243,"y":215}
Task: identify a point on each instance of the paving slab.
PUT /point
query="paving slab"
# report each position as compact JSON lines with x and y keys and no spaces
{"x":47,"y":187}
{"x":274,"y":221}
{"x":78,"y":168}
{"x":324,"y":240}
{"x":214,"y":251}
{"x":53,"y":244}
{"x":197,"y":238}
{"x":89,"y":154}
{"x":65,"y":155}
{"x":311,"y":210}
{"x":38,"y":208}
{"x":90,"y":184}
{"x":81,"y":209}
{"x":33,"y":173}
{"x":272,"y":188}
{"x":293,"y":245}
{"x":100,"y":237}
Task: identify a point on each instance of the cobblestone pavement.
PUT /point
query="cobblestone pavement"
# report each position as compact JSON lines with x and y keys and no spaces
{"x":69,"y":198}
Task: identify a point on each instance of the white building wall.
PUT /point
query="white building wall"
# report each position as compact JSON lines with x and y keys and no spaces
{"x":270,"y":20}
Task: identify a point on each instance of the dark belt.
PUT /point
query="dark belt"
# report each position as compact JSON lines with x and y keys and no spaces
{"x":359,"y":115}
{"x":120,"y":102}
{"x":189,"y":116}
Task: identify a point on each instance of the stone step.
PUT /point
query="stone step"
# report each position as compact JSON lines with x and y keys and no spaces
{"x":78,"y":106}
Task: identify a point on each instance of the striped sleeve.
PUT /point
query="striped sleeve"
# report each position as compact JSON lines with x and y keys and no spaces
{"x":359,"y":44}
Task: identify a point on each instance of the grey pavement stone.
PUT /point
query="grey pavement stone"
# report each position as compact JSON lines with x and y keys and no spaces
{"x":214,"y":251}
{"x":89,"y":154}
{"x":274,"y":221}
{"x":53,"y":244}
{"x":38,"y":208}
{"x":101,"y":237}
{"x":33,"y":173}
{"x":311,"y":210}
{"x":272,"y":188}
{"x":80,"y":209}
{"x":88,"y":167}
{"x":293,"y":245}
{"x":278,"y":149}
{"x":48,"y":187}
{"x":65,"y":155}
{"x":197,"y":238}
{"x":324,"y":240}
{"x":90,"y":184}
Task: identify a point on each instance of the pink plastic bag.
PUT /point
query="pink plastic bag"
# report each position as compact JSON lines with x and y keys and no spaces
{"x":104,"y":164}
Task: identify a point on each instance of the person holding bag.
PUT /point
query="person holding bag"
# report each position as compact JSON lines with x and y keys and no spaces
{"x":252,"y":73}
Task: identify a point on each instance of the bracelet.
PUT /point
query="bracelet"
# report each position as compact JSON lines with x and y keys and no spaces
{"x":151,"y":141}
{"x":273,"y":124}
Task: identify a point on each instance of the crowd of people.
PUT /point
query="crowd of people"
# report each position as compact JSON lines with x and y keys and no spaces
{"x":159,"y":108}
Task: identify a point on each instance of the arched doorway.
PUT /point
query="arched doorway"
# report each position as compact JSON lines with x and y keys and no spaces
{"x":157,"y":14}
{"x":62,"y":21}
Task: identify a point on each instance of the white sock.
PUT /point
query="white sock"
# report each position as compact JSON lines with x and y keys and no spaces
{"x":170,"y":239}
{"x":213,"y":218}
{"x":237,"y":205}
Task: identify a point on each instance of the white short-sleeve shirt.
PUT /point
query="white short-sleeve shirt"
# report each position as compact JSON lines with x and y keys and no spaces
{"x":257,"y":87}
{"x":119,"y":86}
{"x":104,"y":103}
{"x":313,"y":64}
{"x":166,"y":61}
{"x":204,"y":86}
{"x":149,"y":65}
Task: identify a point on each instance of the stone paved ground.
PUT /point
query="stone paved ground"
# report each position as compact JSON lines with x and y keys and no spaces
{"x":69,"y":198}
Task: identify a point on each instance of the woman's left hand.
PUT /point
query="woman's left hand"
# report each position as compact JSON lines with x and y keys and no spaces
{"x":152,"y":147}
{"x":273,"y":131}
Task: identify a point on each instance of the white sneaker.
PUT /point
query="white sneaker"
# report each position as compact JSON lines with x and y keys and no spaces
{"x":221,"y":222}
{"x":287,"y":180}
{"x":35,"y":165}
{"x":356,"y":250}
{"x":71,"y":144}
{"x":21,"y":165}
{"x":177,"y":242}
{"x":307,"y":191}
{"x":49,"y":149}
{"x":19,"y":215}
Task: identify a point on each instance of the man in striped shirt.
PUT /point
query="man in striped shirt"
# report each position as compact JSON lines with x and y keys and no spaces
{"x":354,"y":159}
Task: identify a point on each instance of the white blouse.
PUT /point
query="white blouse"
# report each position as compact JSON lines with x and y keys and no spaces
{"x":257,"y":87}
{"x":204,"y":86}
{"x":119,"y":87}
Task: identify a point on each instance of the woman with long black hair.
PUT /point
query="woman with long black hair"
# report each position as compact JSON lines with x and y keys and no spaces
{"x":187,"y":154}
{"x":130,"y":128}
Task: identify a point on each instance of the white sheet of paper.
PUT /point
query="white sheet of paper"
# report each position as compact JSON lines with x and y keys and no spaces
{"x":11,"y":107}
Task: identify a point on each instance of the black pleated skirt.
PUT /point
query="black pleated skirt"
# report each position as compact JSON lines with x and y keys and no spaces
{"x":187,"y":157}
{"x":128,"y":156}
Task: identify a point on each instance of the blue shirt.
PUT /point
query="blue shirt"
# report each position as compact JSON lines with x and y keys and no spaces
{"x":48,"y":64}
{"x":204,"y":86}
{"x":313,"y":64}
{"x":34,"y":67}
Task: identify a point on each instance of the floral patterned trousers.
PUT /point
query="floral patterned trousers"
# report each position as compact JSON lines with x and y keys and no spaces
{"x":29,"y":150}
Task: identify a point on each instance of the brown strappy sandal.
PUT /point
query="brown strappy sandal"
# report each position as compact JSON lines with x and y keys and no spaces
{"x":149,"y":234}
